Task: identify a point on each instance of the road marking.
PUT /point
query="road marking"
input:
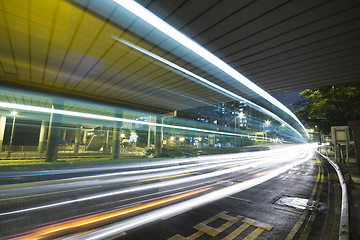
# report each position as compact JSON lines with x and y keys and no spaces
{"x":203,"y":228}
{"x":240,"y":199}
{"x":300,"y":222}
{"x":237,"y":231}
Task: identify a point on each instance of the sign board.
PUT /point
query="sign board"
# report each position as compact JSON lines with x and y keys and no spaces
{"x":211,"y":139}
{"x":340,"y":135}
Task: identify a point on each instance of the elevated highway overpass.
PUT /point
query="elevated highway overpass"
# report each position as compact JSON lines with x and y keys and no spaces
{"x":193,"y":76}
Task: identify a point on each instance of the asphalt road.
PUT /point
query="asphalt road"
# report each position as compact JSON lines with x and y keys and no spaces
{"x":215,"y":197}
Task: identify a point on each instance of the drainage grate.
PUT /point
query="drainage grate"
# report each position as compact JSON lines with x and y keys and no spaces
{"x":295,"y":202}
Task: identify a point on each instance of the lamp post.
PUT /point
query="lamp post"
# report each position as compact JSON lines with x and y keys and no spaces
{"x":12,"y":132}
{"x":267,"y":123}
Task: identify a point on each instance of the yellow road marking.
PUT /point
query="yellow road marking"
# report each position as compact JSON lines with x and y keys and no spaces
{"x":237,"y":231}
{"x":254,"y":234}
{"x":191,"y":237}
{"x":203,"y":228}
{"x":300,"y":222}
{"x":172,"y":176}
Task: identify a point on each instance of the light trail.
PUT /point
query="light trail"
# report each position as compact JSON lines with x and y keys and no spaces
{"x":170,"y":31}
{"x":204,"y":163}
{"x":293,"y":154}
{"x":112,"y":119}
{"x":208,"y":83}
{"x":222,"y":173}
{"x":175,"y":209}
{"x":50,"y":231}
{"x":134,"y":189}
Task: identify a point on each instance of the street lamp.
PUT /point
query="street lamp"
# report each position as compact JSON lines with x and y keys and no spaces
{"x":13,"y":113}
{"x":267,"y":123}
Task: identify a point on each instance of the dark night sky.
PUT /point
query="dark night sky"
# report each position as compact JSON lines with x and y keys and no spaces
{"x":289,"y":98}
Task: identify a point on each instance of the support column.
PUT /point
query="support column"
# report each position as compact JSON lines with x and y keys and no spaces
{"x":54,"y":135}
{"x":116,"y":137}
{"x":106,"y":141}
{"x":77,"y":139}
{"x":84,"y":137}
{"x":158,"y":136}
{"x":42,"y":137}
{"x":149,"y":135}
{"x":63,"y":135}
{"x":2,"y":130}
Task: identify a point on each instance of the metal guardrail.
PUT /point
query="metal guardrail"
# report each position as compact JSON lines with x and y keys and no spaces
{"x":344,"y":216}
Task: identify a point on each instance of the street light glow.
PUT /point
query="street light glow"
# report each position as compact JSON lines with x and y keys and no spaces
{"x":14,"y":113}
{"x":241,"y":115}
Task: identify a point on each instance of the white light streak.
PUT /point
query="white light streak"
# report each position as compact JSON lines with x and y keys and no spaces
{"x":161,"y":25}
{"x":207,"y":83}
{"x":187,"y":205}
{"x":108,"y":118}
{"x":266,"y":157}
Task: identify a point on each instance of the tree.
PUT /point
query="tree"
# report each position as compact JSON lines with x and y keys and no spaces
{"x":330,"y":106}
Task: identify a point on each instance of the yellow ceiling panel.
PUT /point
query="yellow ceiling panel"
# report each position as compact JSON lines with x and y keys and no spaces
{"x":39,"y":50}
{"x":43,"y":12}
{"x":89,"y":29}
{"x":18,"y":28}
{"x":68,"y":18}
{"x":17,"y":8}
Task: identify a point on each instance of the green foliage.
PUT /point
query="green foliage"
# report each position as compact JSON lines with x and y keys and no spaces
{"x":330,"y":106}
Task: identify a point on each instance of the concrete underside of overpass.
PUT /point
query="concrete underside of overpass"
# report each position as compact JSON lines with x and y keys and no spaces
{"x":68,"y":47}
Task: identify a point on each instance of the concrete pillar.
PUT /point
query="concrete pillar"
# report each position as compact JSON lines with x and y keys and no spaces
{"x":149,"y":135}
{"x":11,"y":136}
{"x":42,"y":135}
{"x":54,"y":135}
{"x":2,"y":130}
{"x":158,"y":137}
{"x":63,"y":136}
{"x":84,"y":137}
{"x":106,"y":141}
{"x":77,"y":139}
{"x":116,"y":137}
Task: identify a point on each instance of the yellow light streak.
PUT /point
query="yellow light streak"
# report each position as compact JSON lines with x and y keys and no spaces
{"x":56,"y":229}
{"x":262,"y":173}
{"x":167,"y":177}
{"x":234,"y":165}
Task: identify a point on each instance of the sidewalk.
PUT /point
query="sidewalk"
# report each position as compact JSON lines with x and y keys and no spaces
{"x":352,"y":177}
{"x":353,"y":182}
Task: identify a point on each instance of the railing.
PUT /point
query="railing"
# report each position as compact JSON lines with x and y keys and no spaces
{"x":344,"y":216}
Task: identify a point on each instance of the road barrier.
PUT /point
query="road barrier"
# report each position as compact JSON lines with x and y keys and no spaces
{"x":344,"y":217}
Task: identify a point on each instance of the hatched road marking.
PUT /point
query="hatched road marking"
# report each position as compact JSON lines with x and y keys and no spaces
{"x":203,"y":228}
